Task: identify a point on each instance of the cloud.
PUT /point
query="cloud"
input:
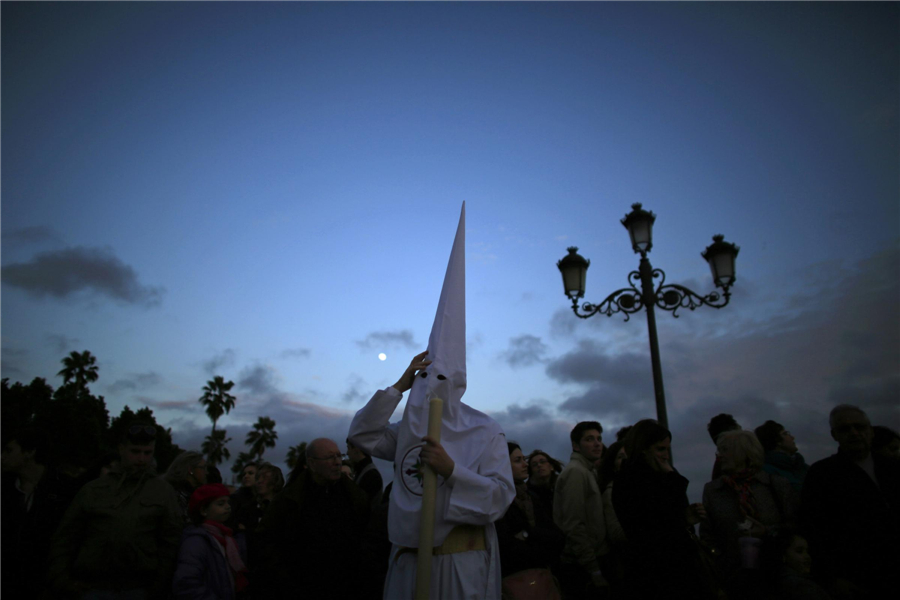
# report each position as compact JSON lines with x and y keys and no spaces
{"x":358,"y":392}
{"x":380,"y":340}
{"x":535,"y":426}
{"x":225,"y":358}
{"x":610,"y":330}
{"x":61,"y":342}
{"x":524,"y":351}
{"x":36,"y":234}
{"x":879,"y":396}
{"x":134,"y":382}
{"x":184,"y":405}
{"x":879,"y":116}
{"x":8,"y":360}
{"x":831,"y":334}
{"x":517,"y":413}
{"x":474,"y":342}
{"x":562,"y":323}
{"x":309,"y":409}
{"x":63,"y":273}
{"x":258,"y":379}
{"x":589,"y":363}
{"x":295,"y":353}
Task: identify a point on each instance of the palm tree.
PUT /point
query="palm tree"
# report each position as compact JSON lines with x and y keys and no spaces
{"x":295,"y":454}
{"x":242,"y":459}
{"x":263,"y":436}
{"x":214,"y":447}
{"x":216,"y":398}
{"x":81,"y":367}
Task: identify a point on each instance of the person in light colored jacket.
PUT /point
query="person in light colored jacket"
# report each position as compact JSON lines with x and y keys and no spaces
{"x":578,"y":511}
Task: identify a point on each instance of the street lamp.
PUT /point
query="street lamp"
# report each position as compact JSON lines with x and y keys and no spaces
{"x":671,"y":297}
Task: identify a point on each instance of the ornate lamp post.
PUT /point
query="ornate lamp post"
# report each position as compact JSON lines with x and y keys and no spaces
{"x":641,"y":294}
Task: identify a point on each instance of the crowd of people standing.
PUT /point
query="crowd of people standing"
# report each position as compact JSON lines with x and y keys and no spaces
{"x":612,"y":522}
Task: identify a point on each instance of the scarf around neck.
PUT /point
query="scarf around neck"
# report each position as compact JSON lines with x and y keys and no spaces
{"x":226,"y":540}
{"x":740,"y":483}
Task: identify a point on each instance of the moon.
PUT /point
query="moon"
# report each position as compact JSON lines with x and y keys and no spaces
{"x":382,"y":356}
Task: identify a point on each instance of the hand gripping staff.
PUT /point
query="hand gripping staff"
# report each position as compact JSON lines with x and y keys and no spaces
{"x":426,"y":524}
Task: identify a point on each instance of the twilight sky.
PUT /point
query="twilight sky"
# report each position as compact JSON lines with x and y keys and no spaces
{"x":269,"y":192}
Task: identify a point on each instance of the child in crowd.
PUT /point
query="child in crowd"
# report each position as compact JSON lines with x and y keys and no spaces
{"x":786,"y":564}
{"x":210,"y":565}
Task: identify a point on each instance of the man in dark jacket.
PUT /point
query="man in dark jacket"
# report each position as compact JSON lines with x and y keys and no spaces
{"x":35,"y":496}
{"x":309,"y":531}
{"x":367,"y":476}
{"x":850,"y":512}
{"x":120,"y":535}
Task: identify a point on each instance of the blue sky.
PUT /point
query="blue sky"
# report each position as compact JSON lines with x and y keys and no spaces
{"x":269,"y":192}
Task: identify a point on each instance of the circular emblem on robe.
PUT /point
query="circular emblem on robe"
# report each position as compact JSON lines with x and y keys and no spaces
{"x":411,"y":470}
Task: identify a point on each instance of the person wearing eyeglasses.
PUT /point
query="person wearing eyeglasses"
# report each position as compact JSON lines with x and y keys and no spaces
{"x":119,"y":538}
{"x":850,"y":512}
{"x":309,"y":529}
{"x":543,"y":471}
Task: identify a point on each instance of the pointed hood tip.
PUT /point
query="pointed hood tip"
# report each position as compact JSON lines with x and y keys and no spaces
{"x":447,"y":342}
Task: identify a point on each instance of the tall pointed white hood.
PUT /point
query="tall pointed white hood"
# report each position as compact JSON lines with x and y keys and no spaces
{"x":445,"y":377}
{"x":462,"y":427}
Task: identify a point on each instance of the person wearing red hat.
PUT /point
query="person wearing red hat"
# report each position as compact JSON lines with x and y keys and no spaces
{"x":210,"y":562}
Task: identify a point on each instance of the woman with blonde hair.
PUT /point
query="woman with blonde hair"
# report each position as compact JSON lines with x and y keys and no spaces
{"x":745,"y":502}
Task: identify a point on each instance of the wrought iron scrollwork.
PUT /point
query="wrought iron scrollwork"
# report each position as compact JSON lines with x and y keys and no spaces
{"x":673,"y":297}
{"x":626,"y":301}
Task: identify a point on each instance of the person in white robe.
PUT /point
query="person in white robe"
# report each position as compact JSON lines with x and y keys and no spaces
{"x":475,"y":484}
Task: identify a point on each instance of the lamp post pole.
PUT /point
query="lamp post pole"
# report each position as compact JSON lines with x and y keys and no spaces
{"x":646,"y":272}
{"x":643,"y":295}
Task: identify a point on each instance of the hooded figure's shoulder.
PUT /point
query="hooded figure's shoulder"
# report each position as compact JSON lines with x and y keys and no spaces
{"x":476,"y":420}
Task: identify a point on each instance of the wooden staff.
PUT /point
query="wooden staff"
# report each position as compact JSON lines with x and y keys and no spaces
{"x":426,"y":522}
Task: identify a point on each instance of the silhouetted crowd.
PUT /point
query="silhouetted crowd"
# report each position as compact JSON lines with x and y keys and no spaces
{"x":613,"y":522}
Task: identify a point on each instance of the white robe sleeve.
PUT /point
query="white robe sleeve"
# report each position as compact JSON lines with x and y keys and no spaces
{"x":371,"y":429}
{"x":483,"y":497}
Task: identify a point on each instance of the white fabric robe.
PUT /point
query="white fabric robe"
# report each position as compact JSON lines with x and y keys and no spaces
{"x":475,"y":494}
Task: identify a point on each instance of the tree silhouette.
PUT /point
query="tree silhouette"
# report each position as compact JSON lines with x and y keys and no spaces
{"x":216,"y":398}
{"x":21,"y":403}
{"x":296,"y":454}
{"x":214,"y":447}
{"x":263,"y":436}
{"x":80,"y":368}
{"x":242,"y":459}
{"x":76,"y":422}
